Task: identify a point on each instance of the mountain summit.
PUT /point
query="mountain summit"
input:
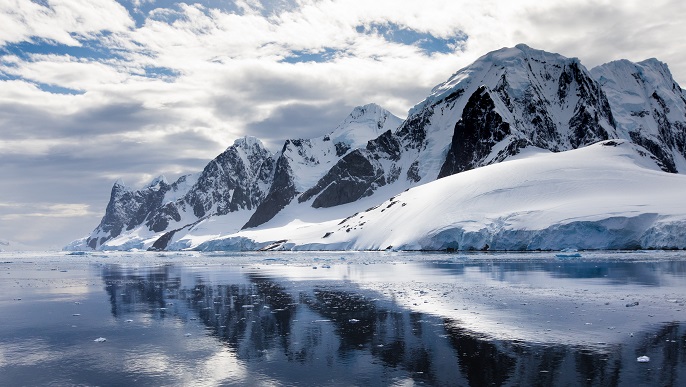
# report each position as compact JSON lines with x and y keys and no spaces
{"x":506,"y":105}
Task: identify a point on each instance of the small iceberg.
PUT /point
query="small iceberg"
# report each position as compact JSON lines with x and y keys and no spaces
{"x":100,"y":340}
{"x":643,"y":359}
{"x":568,"y":253}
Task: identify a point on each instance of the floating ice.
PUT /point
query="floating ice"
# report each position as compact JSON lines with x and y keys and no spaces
{"x":568,"y":253}
{"x":100,"y":340}
{"x":643,"y":359}
{"x":629,"y":305}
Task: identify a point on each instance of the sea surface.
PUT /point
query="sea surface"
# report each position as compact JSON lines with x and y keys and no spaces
{"x":343,"y":319}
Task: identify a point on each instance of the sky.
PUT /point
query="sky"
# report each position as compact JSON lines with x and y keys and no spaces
{"x":92,"y":91}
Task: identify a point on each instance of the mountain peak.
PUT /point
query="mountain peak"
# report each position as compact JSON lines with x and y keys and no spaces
{"x":364,"y":123}
{"x":159,"y":180}
{"x":520,"y":65}
{"x":521,"y":51}
{"x":247,"y":142}
{"x":368,"y":109}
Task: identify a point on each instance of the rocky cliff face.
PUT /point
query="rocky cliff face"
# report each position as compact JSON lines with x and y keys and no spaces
{"x":246,"y":176}
{"x":526,"y":97}
{"x":303,"y":163}
{"x":507,"y":100}
{"x":649,"y":106}
{"x":237,"y":179}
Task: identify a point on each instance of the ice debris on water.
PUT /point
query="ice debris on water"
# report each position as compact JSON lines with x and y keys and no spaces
{"x":629,"y":305}
{"x":643,"y":359}
{"x":100,"y":340}
{"x":568,"y":253}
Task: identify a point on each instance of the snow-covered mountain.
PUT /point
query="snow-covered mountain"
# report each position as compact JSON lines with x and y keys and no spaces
{"x":502,"y":106}
{"x":245,"y":184}
{"x":8,"y":245}
{"x":235,"y":180}
{"x":302,"y":163}
{"x":649,"y":108}
{"x":609,"y":195}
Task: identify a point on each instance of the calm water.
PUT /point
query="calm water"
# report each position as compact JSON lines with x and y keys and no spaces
{"x":337,"y":319}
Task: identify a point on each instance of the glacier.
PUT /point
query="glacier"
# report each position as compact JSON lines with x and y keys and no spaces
{"x":610,"y":195}
{"x":521,"y":150}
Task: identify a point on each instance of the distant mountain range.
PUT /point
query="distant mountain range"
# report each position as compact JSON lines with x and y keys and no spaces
{"x":526,"y":107}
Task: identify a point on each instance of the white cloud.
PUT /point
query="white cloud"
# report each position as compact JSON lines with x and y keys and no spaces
{"x":12,"y":211}
{"x":62,"y":21}
{"x":224,"y":74}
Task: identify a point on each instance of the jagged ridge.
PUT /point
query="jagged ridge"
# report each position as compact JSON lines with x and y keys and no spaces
{"x":507,"y":100}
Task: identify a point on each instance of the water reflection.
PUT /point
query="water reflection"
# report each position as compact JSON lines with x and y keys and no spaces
{"x":615,"y":272}
{"x":333,"y":333}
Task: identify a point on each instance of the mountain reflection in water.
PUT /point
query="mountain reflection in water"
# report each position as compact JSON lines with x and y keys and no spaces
{"x":324,"y":332}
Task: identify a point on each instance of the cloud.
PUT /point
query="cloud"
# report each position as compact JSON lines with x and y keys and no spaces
{"x":60,"y":21}
{"x":13,"y":211}
{"x":298,"y":120}
{"x":93,"y":90}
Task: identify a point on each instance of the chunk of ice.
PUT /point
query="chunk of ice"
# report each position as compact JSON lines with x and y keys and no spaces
{"x":100,"y":340}
{"x":643,"y":359}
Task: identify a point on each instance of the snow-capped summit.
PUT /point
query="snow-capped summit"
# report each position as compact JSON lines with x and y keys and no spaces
{"x":506,"y":100}
{"x":648,"y":106}
{"x":510,"y":104}
{"x":304,"y":162}
{"x":364,"y":123}
{"x":158,"y":181}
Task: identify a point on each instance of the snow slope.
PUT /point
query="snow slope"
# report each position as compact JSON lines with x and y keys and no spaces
{"x":649,"y":107}
{"x":610,"y":195}
{"x":497,"y":109}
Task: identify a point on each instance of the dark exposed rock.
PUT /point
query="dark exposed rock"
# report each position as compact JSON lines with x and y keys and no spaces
{"x":352,"y":178}
{"x":281,"y":192}
{"x":126,"y":209}
{"x":385,"y":146}
{"x":413,"y":172}
{"x":341,"y":148}
{"x":480,"y":128}
{"x":162,"y":242}
{"x":225,"y":185}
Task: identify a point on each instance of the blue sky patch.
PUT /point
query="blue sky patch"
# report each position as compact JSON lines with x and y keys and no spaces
{"x":164,"y":73}
{"x":54,"y":89}
{"x":430,"y":44}
{"x":141,"y":13}
{"x":90,"y":49}
{"x":303,"y":56}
